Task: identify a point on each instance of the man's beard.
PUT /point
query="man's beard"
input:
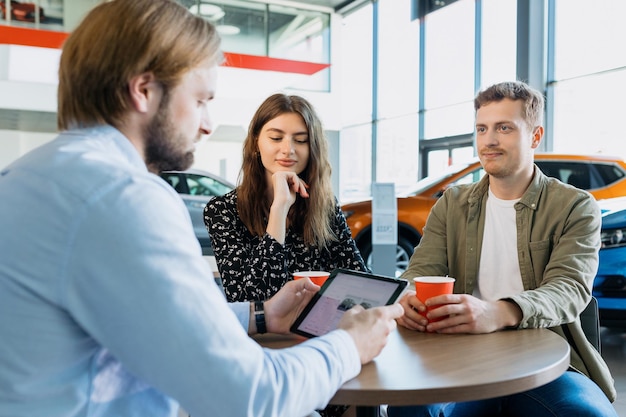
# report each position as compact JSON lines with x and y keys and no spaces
{"x":163,"y":142}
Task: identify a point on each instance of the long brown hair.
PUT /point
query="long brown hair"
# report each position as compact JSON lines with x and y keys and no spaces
{"x":121,"y":39}
{"x":310,"y":216}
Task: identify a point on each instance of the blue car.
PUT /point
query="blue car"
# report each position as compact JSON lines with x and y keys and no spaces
{"x":609,"y":286}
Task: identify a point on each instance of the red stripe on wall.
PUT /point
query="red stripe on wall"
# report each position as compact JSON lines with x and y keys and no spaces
{"x":50,"y":39}
{"x":31,"y":37}
{"x":265,"y":63}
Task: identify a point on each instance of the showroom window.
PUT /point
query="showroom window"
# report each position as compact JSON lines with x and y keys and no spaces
{"x":449,"y":70}
{"x":397,"y":151}
{"x":590,"y":76}
{"x":398,"y":60}
{"x":498,"y":41}
{"x":355,"y":89}
{"x":356,"y":67}
{"x":356,"y":172}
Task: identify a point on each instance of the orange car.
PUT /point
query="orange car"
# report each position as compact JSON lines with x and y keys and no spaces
{"x":602,"y":176}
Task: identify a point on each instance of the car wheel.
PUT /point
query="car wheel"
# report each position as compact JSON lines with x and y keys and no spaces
{"x":404,"y":251}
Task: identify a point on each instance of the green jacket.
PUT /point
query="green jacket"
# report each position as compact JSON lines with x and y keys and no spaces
{"x":558,"y":238}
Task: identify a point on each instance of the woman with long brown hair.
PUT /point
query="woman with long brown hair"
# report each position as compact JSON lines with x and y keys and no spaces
{"x":283,"y":217}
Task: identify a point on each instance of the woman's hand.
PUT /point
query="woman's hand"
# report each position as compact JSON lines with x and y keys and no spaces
{"x":286,"y":305}
{"x":286,"y":185}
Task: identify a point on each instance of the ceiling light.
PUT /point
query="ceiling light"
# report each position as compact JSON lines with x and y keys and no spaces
{"x":208,"y":11}
{"x":227,"y":30}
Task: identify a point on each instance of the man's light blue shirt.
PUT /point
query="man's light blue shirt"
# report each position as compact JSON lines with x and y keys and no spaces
{"x":107,"y":307}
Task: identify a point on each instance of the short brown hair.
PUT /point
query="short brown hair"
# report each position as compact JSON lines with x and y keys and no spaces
{"x":121,"y":39}
{"x":515,"y":90}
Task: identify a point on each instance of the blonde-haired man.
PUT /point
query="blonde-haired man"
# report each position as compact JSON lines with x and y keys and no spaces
{"x":106,"y":305}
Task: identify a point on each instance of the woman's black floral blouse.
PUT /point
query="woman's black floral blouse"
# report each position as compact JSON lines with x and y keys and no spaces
{"x":255,"y":268}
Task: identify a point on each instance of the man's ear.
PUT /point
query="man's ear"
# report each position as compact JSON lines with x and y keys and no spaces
{"x":143,"y":90}
{"x":537,"y":136}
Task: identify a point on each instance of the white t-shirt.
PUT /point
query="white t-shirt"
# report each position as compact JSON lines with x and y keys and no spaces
{"x":498,"y":273}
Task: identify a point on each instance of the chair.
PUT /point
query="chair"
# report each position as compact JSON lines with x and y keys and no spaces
{"x":590,"y":323}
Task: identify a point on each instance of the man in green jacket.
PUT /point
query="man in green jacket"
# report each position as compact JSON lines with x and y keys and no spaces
{"x":523,"y":248}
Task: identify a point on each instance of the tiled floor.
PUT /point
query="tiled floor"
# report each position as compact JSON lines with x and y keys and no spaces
{"x":614,"y":352}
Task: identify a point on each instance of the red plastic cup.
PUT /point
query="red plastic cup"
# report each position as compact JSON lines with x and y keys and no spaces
{"x":318,"y":277}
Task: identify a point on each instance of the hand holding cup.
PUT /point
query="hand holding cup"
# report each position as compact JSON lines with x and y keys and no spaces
{"x":432,"y":286}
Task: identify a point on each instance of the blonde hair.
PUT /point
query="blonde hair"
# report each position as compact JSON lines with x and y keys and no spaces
{"x":310,"y":216}
{"x":121,"y":39}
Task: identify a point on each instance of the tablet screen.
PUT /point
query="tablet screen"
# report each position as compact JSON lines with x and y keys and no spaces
{"x":343,"y":290}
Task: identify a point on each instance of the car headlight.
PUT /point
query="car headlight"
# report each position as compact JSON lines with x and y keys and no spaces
{"x":613,"y":238}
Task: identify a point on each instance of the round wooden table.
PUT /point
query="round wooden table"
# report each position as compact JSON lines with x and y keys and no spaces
{"x":421,"y":368}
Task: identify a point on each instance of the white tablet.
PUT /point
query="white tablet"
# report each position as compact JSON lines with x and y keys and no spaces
{"x":343,"y":290}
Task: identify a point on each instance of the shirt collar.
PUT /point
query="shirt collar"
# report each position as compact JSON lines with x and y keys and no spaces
{"x":530,"y":198}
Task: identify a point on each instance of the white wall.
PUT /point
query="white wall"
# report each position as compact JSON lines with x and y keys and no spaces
{"x":28,"y":81}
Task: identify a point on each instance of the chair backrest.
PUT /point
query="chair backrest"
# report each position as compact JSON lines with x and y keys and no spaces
{"x":590,"y":322}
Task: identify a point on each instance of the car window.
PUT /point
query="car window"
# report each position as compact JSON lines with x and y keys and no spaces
{"x":584,"y":175}
{"x":173,"y":179}
{"x":609,"y":173}
{"x":577,"y":174}
{"x":206,"y":186}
